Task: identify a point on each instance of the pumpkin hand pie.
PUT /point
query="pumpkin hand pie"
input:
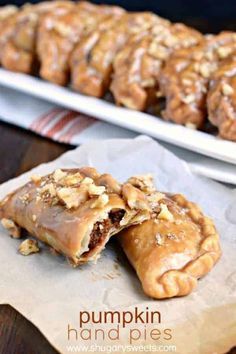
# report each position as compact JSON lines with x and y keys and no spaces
{"x":92,"y":59}
{"x":138,"y":64}
{"x":173,"y":249}
{"x":221,"y":98}
{"x":74,"y":211}
{"x":184,"y":80}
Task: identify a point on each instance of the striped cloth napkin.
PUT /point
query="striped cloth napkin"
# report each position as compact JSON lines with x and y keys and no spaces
{"x":54,"y":122}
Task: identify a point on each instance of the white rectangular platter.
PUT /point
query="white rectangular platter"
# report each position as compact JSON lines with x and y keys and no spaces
{"x":140,"y":122}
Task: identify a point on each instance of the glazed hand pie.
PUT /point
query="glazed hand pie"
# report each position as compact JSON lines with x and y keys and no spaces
{"x":92,"y":59}
{"x":18,"y":38}
{"x":138,"y":64}
{"x":185,"y":78}
{"x":173,"y":249}
{"x":74,"y":211}
{"x":59,"y":33}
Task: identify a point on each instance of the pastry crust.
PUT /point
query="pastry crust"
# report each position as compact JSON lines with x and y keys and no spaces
{"x":221,"y":99}
{"x":74,"y":211}
{"x":137,"y":66}
{"x":92,"y":59}
{"x":58,"y":35}
{"x":18,"y":39}
{"x":169,"y":253}
{"x":185,"y":78}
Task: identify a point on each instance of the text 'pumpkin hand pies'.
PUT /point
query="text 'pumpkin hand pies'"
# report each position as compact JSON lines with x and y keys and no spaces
{"x":74,"y":211}
{"x":173,"y":249}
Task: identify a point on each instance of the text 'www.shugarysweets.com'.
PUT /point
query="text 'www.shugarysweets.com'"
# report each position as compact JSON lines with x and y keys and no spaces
{"x":138,"y":325}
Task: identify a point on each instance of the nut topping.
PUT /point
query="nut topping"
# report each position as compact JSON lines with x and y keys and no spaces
{"x":143,"y":182}
{"x":35,"y":178}
{"x":135,"y":198}
{"x":227,"y":90}
{"x":101,"y":201}
{"x":58,"y":175}
{"x":95,"y":190}
{"x":165,"y":214}
{"x":12,"y":228}
{"x":28,"y":247}
{"x":72,"y":197}
{"x":159,"y":239}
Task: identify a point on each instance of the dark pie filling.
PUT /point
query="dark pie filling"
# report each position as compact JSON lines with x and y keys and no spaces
{"x":102,"y":228}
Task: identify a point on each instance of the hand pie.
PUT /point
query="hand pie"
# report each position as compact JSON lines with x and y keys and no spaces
{"x":172,"y":250}
{"x":59,"y":33}
{"x":221,"y":98}
{"x":74,"y":211}
{"x":138,"y":64}
{"x":92,"y":59}
{"x":20,"y":34}
{"x":185,"y":78}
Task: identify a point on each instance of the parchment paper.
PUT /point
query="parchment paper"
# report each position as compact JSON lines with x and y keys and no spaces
{"x":51,"y":294}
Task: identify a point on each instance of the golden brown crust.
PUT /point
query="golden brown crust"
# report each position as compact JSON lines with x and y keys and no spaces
{"x":91,"y":62}
{"x":185,"y":78}
{"x":58,"y":35}
{"x":138,"y":64}
{"x":18,"y":51}
{"x":221,"y":98}
{"x":170,"y":254}
{"x":74,"y":211}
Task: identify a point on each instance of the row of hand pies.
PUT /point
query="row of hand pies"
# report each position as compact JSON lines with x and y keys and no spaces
{"x":139,"y":57}
{"x":167,"y":239}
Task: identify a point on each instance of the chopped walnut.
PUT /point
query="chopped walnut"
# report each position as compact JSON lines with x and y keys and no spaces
{"x":165,"y":214}
{"x":70,"y":196}
{"x":95,"y":190}
{"x":28,"y":247}
{"x":135,"y":198}
{"x":72,"y":179}
{"x":11,"y":227}
{"x":66,"y":179}
{"x":35,"y":178}
{"x":205,"y":70}
{"x":143,"y":182}
{"x":59,"y":175}
{"x":189,"y":98}
{"x":227,"y":90}
{"x":48,"y":190}
{"x":101,"y":201}
{"x":224,"y":52}
{"x":171,"y":236}
{"x":159,"y":239}
{"x":87,"y":180}
{"x":154,"y":198}
{"x":187,"y":82}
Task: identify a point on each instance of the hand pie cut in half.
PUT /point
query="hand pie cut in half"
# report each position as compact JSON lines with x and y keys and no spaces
{"x":74,"y":211}
{"x":173,"y":249}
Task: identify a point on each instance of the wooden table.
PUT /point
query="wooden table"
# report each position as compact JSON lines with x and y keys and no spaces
{"x":20,"y":151}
